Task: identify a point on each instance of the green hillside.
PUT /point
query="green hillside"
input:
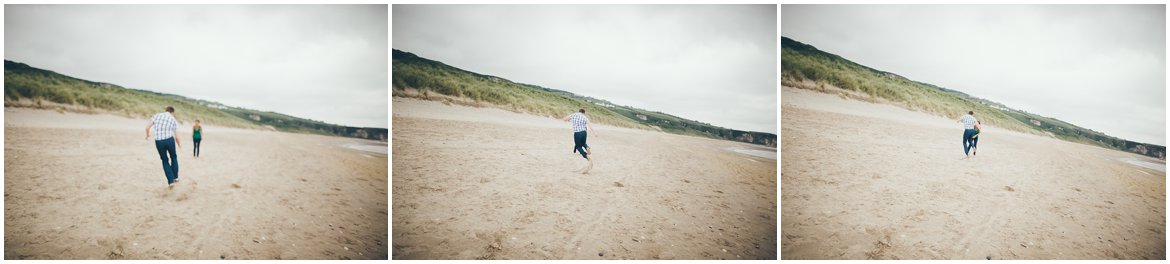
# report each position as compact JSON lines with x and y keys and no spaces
{"x":417,"y":77}
{"x":804,"y":66}
{"x":26,"y":86}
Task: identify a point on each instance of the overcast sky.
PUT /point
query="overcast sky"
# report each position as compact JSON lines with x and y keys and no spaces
{"x":326,"y":62}
{"x":714,"y":64}
{"x":1100,"y":67}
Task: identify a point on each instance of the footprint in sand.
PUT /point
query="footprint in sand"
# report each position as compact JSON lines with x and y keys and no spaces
{"x":584,"y":169}
{"x":587,"y":168}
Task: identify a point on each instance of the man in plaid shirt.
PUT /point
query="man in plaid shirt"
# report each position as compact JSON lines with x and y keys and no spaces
{"x":165,"y":130}
{"x":580,"y":124}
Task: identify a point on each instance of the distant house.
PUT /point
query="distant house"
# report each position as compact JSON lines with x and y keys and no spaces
{"x":1035,"y":122}
{"x":603,"y":104}
{"x":216,"y":106}
{"x":254,"y":117}
{"x":1139,"y":149}
{"x":746,"y":137}
{"x":641,"y":116}
{"x":360,"y":133}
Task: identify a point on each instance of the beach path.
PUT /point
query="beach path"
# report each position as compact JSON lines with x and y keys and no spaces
{"x":91,"y":187}
{"x":484,"y":183}
{"x":872,"y":181}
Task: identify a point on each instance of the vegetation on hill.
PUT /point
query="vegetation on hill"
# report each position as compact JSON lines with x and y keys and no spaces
{"x":418,"y":77}
{"x":26,"y":86}
{"x":804,"y":66}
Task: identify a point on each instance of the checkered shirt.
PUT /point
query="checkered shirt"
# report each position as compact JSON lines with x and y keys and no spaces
{"x":968,"y":121}
{"x":164,"y":125}
{"x":579,"y":120}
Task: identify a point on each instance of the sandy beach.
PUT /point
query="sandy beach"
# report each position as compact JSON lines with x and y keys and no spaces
{"x":484,"y":183}
{"x":870,"y":181}
{"x":91,"y":187}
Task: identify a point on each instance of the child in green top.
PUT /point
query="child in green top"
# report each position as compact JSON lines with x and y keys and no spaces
{"x":197,"y":135}
{"x":975,"y":138}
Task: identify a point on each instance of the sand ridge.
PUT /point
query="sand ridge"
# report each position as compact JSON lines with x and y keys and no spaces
{"x":866,"y":181}
{"x":504,"y":186}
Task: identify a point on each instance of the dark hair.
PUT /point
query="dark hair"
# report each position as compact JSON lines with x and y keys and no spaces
{"x":970,"y":112}
{"x":582,"y":110}
{"x":196,"y":120}
{"x":170,"y":109}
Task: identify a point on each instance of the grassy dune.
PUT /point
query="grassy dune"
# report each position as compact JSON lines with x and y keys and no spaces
{"x":27,"y":86}
{"x":417,"y":77}
{"x":804,"y":66}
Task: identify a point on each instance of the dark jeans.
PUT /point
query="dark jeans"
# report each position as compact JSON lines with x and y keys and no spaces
{"x":170,"y":167}
{"x":197,"y":140}
{"x":974,"y":141}
{"x":579,"y":143}
{"x":968,"y":142}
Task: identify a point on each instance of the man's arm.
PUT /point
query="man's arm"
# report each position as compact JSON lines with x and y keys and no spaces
{"x":566,"y":118}
{"x":148,"y":125}
{"x":177,"y":138}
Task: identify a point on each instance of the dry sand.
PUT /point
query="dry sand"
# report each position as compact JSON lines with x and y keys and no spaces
{"x":91,"y":187}
{"x":483,"y":183}
{"x":868,"y":181}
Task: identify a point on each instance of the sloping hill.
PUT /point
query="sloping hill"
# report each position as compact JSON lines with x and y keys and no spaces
{"x":804,"y":66}
{"x":418,"y":77}
{"x":27,"y":86}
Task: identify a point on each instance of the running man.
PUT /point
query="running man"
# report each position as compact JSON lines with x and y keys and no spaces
{"x":580,"y":124}
{"x":968,"y":121}
{"x":165,"y":130}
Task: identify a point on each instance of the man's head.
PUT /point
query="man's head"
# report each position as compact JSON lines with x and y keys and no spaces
{"x":971,"y":112}
{"x":582,"y":110}
{"x":170,"y":109}
{"x":196,"y":121}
